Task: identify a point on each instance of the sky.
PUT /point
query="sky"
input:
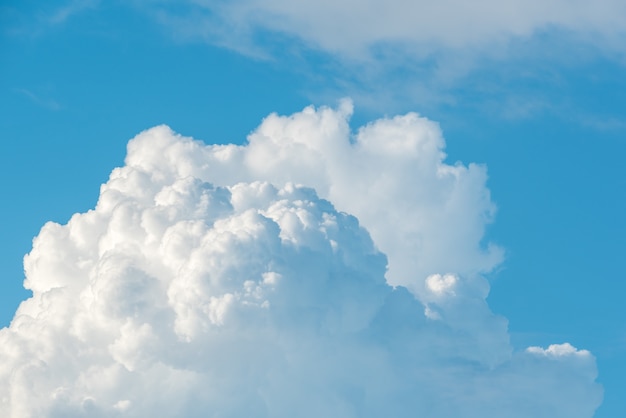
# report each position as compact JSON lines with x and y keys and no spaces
{"x":470,"y":156}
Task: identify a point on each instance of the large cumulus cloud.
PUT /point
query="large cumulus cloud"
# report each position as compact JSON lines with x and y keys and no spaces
{"x":234,"y":281}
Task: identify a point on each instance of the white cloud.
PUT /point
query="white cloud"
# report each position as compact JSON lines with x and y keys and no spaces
{"x":355,"y":29}
{"x":559,"y":350}
{"x":394,"y":54}
{"x":206,"y":282}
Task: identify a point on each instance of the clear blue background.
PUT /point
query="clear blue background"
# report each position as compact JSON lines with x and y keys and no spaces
{"x":73,"y":93}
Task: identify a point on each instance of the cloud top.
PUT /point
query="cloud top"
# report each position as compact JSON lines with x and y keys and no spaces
{"x":231,"y":281}
{"x":426,"y":215}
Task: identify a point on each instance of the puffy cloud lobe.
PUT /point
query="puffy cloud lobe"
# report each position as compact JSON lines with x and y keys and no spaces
{"x":425,"y":215}
{"x":206,"y":282}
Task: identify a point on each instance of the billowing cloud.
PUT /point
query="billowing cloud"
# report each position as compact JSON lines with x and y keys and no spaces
{"x":309,"y":272}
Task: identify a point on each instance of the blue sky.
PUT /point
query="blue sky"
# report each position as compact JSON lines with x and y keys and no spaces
{"x":540,"y":101}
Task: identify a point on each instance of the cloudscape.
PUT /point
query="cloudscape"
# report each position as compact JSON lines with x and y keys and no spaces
{"x":313,"y":271}
{"x":269,"y":208}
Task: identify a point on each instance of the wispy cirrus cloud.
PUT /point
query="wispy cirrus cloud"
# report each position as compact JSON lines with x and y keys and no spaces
{"x":63,"y":13}
{"x":40,"y":100}
{"x":362,"y":30}
{"x":398,"y":54}
{"x":21,"y":20}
